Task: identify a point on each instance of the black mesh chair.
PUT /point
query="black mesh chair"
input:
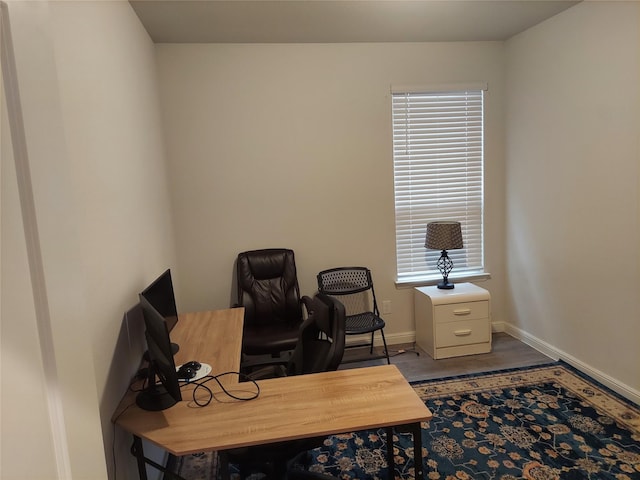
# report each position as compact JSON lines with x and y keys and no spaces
{"x":269,"y":292}
{"x":354,"y":286}
{"x":319,"y":348}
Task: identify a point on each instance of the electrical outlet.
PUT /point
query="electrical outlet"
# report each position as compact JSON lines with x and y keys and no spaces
{"x":386,"y":307}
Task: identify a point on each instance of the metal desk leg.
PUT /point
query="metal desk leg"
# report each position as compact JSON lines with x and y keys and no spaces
{"x":391,"y":464}
{"x":416,"y":429}
{"x":138,"y":452}
{"x":223,"y":466}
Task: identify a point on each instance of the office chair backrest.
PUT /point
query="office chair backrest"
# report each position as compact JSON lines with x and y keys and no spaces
{"x":321,"y":341}
{"x":268,"y":286}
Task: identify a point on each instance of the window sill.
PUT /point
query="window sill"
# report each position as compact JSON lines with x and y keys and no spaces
{"x":424,"y":282}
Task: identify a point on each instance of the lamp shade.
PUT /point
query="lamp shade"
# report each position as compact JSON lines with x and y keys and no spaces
{"x":443,"y":236}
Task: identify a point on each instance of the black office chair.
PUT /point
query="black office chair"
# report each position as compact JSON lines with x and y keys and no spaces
{"x":268,"y":290}
{"x":319,"y":348}
{"x":354,"y":286}
{"x":295,"y":472}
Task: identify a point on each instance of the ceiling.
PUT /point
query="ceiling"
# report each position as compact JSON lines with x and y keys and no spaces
{"x":340,"y":21}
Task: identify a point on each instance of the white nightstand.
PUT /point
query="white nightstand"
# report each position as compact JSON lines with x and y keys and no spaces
{"x":451,"y":323}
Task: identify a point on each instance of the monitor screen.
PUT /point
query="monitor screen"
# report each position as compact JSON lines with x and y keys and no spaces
{"x":166,"y":393}
{"x":160,"y":296}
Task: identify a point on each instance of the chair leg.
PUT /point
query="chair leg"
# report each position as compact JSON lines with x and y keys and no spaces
{"x":371,"y":345}
{"x":386,"y":350}
{"x":279,"y":471}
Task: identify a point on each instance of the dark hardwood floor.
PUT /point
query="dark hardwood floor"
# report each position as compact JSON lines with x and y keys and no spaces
{"x":507,"y":352}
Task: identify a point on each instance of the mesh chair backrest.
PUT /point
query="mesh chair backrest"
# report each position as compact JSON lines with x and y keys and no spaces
{"x":268,"y":286}
{"x":354,"y":286}
{"x":344,"y":280}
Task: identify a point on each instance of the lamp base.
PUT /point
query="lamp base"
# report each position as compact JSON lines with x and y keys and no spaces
{"x":446,"y":285}
{"x":445,"y":265}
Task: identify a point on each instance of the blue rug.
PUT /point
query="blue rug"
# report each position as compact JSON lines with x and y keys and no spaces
{"x":538,"y":423}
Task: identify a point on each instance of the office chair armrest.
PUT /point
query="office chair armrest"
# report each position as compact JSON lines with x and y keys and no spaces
{"x":273,"y":370}
{"x":307,"y":301}
{"x":254,"y":363}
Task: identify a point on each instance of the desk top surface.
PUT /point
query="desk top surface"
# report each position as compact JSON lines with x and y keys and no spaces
{"x":213,"y":337}
{"x":287,"y":408}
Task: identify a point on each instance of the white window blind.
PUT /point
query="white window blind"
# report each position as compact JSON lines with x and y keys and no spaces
{"x":438,"y":175}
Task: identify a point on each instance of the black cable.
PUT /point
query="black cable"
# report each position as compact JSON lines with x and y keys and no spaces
{"x":113,"y":443}
{"x":115,"y":419}
{"x":395,"y":353}
{"x":201,"y":384}
{"x":136,"y":378}
{"x":113,"y":452}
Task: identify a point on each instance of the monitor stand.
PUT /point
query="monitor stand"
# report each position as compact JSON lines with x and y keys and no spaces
{"x":155,"y":398}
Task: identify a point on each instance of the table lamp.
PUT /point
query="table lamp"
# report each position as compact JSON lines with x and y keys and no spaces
{"x":444,"y":236}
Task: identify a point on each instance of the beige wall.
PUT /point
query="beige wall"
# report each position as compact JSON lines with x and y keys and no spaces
{"x":88,"y":84}
{"x":59,"y":325}
{"x":290,"y":146}
{"x":24,"y":415}
{"x":573,"y":189}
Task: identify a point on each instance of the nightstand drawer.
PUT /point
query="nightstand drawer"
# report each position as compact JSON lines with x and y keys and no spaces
{"x":464,"y":332}
{"x":461,"y":311}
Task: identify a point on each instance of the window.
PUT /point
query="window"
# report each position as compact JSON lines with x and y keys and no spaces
{"x":438,"y":138}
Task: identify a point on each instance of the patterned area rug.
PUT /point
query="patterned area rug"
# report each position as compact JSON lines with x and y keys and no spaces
{"x":539,"y":423}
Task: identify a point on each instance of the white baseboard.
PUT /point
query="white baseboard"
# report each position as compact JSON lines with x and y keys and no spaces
{"x":543,"y":347}
{"x":525,"y":337}
{"x":557,"y":354}
{"x":497,"y":327}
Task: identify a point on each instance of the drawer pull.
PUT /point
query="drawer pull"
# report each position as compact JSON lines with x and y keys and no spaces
{"x":462,"y":311}
{"x":462,"y":333}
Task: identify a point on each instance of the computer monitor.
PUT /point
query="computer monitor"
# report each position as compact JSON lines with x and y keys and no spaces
{"x":160,"y":296}
{"x":158,"y":396}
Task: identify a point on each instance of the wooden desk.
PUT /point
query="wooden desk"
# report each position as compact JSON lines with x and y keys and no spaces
{"x":287,"y":408}
{"x":213,"y":337}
